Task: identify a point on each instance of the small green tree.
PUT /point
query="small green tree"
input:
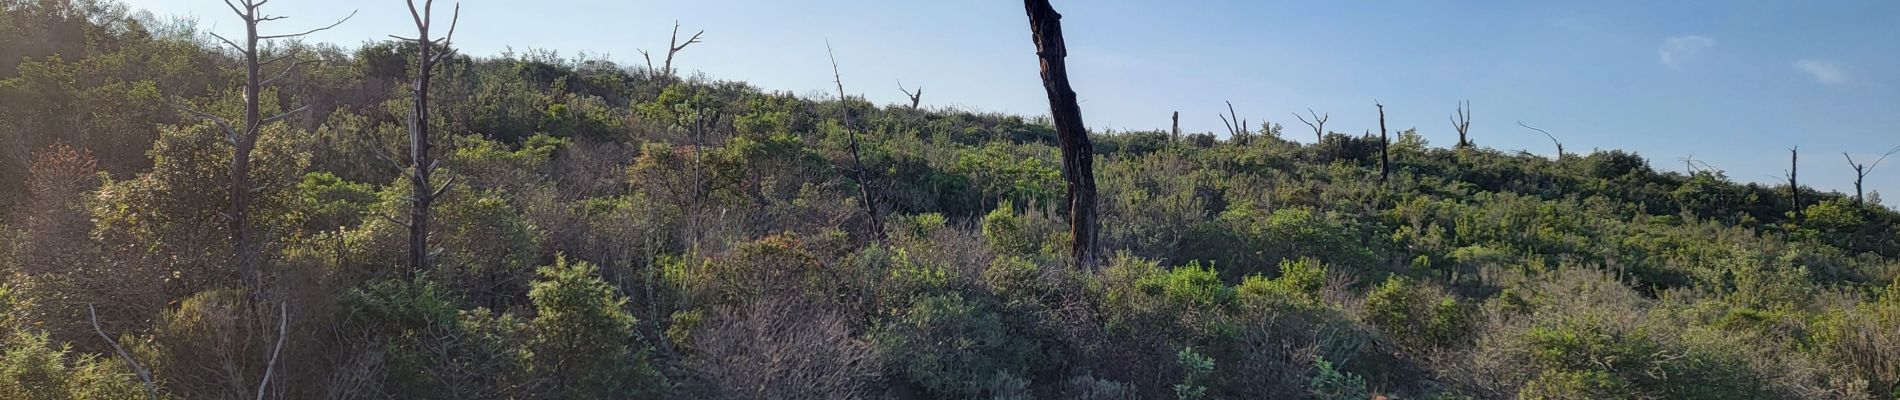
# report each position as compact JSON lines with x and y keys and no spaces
{"x":583,"y":333}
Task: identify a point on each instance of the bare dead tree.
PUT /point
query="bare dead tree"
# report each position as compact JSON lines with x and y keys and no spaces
{"x":1461,"y":121}
{"x":1175,"y":132}
{"x":1694,"y":166}
{"x":857,"y":161}
{"x":673,"y":46}
{"x":1318,"y":124}
{"x":1078,"y":155}
{"x":1861,"y":171}
{"x":1385,"y":157}
{"x":1236,"y":126}
{"x":243,"y":137}
{"x":1553,"y":139}
{"x":145,"y":376}
{"x":421,"y":160}
{"x":1794,"y":187}
{"x":283,"y":332}
{"x":915,"y":97}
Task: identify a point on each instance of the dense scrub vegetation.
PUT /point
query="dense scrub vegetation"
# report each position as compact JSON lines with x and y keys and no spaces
{"x":599,"y":246}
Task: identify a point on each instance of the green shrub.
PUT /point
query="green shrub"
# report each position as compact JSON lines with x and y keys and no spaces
{"x":951,"y":346}
{"x":1332,"y":384}
{"x":1196,"y":369}
{"x":583,"y":336}
{"x":33,"y":368}
{"x":1417,"y":317}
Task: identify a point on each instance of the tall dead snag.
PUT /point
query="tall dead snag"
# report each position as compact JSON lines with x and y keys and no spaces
{"x":1318,"y":124}
{"x":1385,"y":157}
{"x":1553,"y":138}
{"x":844,"y":122}
{"x":673,"y":46}
{"x":1461,"y":121}
{"x":1174,"y":134}
{"x":422,"y":164}
{"x":915,"y":97}
{"x":243,"y":137}
{"x":1794,"y":187}
{"x":1078,"y":155}
{"x":1235,"y":127}
{"x":1861,"y":171}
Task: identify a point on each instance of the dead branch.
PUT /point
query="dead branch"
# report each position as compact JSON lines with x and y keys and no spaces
{"x":915,"y":97}
{"x":1318,"y":124}
{"x":674,"y":46}
{"x":1461,"y":121}
{"x":145,"y":376}
{"x":1553,"y":139}
{"x":283,"y":331}
{"x":1236,"y":126}
{"x":1861,"y":171}
{"x":844,"y":122}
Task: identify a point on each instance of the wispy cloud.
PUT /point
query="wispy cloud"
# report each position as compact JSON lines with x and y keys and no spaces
{"x":1679,"y":49}
{"x":1824,"y":72}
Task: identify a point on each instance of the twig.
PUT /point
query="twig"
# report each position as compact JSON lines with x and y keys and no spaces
{"x":151,"y":390}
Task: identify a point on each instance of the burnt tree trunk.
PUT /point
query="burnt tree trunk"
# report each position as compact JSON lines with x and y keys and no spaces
{"x":245,"y":253}
{"x":1077,"y":153}
{"x":422,"y":161}
{"x":1794,"y":186}
{"x":1385,"y":158}
{"x":857,"y":161}
{"x":1175,"y":134}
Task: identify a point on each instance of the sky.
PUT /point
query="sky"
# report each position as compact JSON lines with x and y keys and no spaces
{"x":1733,"y":84}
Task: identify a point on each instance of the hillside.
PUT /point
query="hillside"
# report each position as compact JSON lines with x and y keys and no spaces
{"x":608,"y":231}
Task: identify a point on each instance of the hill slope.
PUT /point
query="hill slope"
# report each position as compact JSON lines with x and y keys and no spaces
{"x":613,"y":233}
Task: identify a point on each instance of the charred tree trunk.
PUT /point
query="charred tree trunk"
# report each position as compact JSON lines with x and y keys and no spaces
{"x":1794,"y":186}
{"x":1385,"y":157}
{"x":1175,"y":132}
{"x":1078,"y":153}
{"x":915,"y":97}
{"x":245,"y":253}
{"x":243,"y":136}
{"x":1461,"y":122}
{"x":844,"y":122}
{"x":422,"y":161}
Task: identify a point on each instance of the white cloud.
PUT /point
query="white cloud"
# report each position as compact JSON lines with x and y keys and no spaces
{"x":1678,"y":49}
{"x":1824,"y":72}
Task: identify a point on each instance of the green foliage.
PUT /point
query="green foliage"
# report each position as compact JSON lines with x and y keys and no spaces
{"x":1482,"y":272}
{"x":1332,"y":384}
{"x":1193,"y":382}
{"x":583,"y":336}
{"x":1579,"y":358}
{"x":1416,"y":317}
{"x":953,"y":345}
{"x":33,"y":368}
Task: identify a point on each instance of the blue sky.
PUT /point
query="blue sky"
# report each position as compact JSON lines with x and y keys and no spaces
{"x":1733,"y":83}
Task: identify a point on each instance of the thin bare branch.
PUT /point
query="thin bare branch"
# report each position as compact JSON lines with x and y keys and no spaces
{"x":914,"y":97}
{"x":234,"y":9}
{"x":151,"y":390}
{"x":446,"y":183}
{"x":228,"y":42}
{"x":274,"y":118}
{"x":229,"y":133}
{"x":283,"y":331}
{"x":1553,"y":138}
{"x":308,"y":32}
{"x":1318,"y":124}
{"x":286,"y":72}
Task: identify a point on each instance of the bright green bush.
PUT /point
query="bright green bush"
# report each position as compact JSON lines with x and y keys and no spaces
{"x":583,"y":336}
